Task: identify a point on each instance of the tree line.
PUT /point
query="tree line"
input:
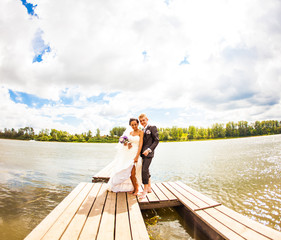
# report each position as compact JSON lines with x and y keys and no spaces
{"x":220,"y":130}
{"x":217,"y":130}
{"x":54,"y":135}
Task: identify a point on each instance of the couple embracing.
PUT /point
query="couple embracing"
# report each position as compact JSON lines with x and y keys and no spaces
{"x":130,"y":167}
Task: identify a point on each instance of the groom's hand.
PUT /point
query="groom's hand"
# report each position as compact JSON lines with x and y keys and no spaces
{"x":146,"y":152}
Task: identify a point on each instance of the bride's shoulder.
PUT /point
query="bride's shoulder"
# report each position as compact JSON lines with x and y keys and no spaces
{"x":140,"y":133}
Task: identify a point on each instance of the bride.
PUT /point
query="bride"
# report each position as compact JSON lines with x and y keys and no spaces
{"x":127,"y":165}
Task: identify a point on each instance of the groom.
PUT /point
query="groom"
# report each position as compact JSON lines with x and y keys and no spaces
{"x":150,"y":142}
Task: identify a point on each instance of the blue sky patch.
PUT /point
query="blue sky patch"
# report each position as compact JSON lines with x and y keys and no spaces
{"x":184,"y":61}
{"x":30,"y":100}
{"x":33,"y":101}
{"x":167,"y":2}
{"x":30,"y":8}
{"x":71,"y":120}
{"x":165,"y":116}
{"x":101,"y":96}
{"x":38,"y":57}
{"x":114,"y":94}
{"x":98,"y":99}
{"x":66,"y":100}
{"x":39,"y":46}
{"x":145,"y":56}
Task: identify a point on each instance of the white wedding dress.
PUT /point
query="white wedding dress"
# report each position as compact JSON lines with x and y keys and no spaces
{"x":122,"y":166}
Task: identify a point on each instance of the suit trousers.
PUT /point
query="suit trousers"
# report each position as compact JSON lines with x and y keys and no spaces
{"x":145,"y":169}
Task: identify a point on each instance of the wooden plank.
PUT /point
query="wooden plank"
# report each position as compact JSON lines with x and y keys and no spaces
{"x":190,"y":205}
{"x":197,"y":201}
{"x":165,"y":202}
{"x":152,"y":197}
{"x":261,"y":229}
{"x":235,"y":226}
{"x":77,"y":223}
{"x":107,"y":224}
{"x":220,"y":228}
{"x":181,"y":195}
{"x":91,"y":226}
{"x":210,"y":206}
{"x":161,"y":204}
{"x":47,"y":223}
{"x":138,"y":228}
{"x":161,"y":196}
{"x":204,"y":198}
{"x":256,"y":226}
{"x":167,"y":192}
{"x":122,"y":228}
{"x":56,"y":231}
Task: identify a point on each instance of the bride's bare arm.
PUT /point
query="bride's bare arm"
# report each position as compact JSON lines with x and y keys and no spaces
{"x":140,"y":146}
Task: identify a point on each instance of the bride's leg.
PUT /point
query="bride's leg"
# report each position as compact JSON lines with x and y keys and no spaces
{"x":134,"y":180}
{"x":133,"y":174}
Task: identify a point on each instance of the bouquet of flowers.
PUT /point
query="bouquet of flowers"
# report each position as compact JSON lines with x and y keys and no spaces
{"x":123,"y":139}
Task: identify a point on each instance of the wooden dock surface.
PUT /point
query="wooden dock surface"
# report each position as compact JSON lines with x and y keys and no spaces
{"x":91,"y":212}
{"x":225,"y":222}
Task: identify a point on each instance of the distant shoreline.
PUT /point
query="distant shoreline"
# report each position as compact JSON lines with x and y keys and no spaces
{"x":162,"y":141}
{"x":226,"y":138}
{"x":230,"y":130}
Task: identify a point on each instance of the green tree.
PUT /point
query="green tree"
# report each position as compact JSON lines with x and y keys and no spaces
{"x":175,"y":133}
{"x":231,"y":129}
{"x":98,"y":133}
{"x":54,"y":135}
{"x":117,"y":131}
{"x":218,"y":130}
{"x":202,"y":133}
{"x":180,"y":130}
{"x":243,"y":128}
{"x":166,"y":135}
{"x":210,"y":133}
{"x":192,"y":132}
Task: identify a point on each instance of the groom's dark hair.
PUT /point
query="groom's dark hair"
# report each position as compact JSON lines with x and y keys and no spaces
{"x":133,"y":119}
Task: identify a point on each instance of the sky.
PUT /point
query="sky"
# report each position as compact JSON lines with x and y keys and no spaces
{"x":82,"y":65}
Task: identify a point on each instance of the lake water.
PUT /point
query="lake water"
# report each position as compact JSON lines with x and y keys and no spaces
{"x":243,"y":174}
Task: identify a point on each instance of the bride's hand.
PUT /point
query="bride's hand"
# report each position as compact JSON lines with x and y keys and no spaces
{"x":129,"y":145}
{"x":136,"y":159}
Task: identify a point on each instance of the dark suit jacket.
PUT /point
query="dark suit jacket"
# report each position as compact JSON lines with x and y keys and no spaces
{"x":150,"y":140}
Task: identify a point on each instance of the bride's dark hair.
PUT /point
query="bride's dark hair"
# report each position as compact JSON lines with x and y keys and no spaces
{"x":133,"y":119}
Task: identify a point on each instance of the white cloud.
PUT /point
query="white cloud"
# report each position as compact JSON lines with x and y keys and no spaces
{"x":233,"y":49}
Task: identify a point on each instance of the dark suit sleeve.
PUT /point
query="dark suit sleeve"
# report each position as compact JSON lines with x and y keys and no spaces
{"x":155,"y":137}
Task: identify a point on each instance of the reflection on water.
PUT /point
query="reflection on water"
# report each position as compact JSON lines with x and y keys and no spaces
{"x":166,"y":223}
{"x":36,"y":176}
{"x":26,"y":207}
{"x":243,"y":174}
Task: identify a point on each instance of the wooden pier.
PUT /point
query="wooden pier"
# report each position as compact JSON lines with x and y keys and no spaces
{"x":91,"y":212}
